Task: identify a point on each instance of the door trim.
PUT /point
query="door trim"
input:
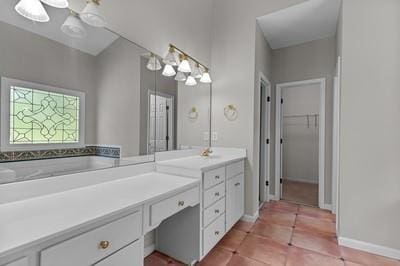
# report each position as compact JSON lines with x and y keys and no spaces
{"x":321,"y":150}
{"x":267,"y":148}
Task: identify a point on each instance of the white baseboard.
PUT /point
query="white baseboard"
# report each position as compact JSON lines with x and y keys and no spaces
{"x":371,"y":248}
{"x":303,"y":180}
{"x":272,"y":197}
{"x":327,"y":207}
{"x":250,"y":218}
{"x":149,"y":249}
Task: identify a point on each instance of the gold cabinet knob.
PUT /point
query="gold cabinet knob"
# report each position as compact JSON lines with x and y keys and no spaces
{"x":104,"y":244}
{"x":181,"y":203}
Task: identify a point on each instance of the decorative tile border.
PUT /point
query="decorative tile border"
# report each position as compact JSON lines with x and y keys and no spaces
{"x":15,"y":156}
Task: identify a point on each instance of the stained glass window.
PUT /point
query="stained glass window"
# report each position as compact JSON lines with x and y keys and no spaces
{"x":42,"y":117}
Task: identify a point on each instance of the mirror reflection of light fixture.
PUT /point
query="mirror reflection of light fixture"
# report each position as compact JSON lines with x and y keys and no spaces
{"x":73,"y":26}
{"x":153,"y":64}
{"x":196,"y":71}
{"x":171,"y":58}
{"x":206,"y":78}
{"x":33,"y":10}
{"x":191,"y":81}
{"x":180,"y":76}
{"x":184,"y":66}
{"x":169,"y":71}
{"x":91,"y":14}
{"x":56,"y":3}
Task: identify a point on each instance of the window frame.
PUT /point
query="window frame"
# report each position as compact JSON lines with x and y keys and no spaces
{"x":5,"y":145}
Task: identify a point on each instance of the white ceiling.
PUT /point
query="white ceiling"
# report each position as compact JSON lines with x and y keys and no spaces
{"x":94,"y":43}
{"x":305,"y":22}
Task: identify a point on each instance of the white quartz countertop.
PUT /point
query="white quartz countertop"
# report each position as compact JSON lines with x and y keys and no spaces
{"x":32,"y":221}
{"x":202,"y":163}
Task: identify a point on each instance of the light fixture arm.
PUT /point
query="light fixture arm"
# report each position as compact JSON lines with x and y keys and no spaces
{"x":173,"y":47}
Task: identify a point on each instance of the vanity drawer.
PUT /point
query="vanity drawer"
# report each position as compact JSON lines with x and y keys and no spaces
{"x":94,"y":245}
{"x":167,"y":207}
{"x":234,"y":169}
{"x":213,"y":194}
{"x":212,"y":212}
{"x":213,"y":233}
{"x":213,"y":177}
{"x":128,"y":256}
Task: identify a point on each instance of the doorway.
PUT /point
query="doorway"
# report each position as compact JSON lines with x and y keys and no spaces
{"x":161,"y":122}
{"x":265,"y":135}
{"x":300,"y":141}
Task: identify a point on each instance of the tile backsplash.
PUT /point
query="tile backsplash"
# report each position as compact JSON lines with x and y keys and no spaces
{"x":92,"y":150}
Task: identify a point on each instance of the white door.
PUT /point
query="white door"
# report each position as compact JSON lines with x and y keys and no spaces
{"x":234,"y":200}
{"x":161,"y":123}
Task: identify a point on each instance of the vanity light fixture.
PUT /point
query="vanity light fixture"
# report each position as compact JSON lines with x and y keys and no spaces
{"x":206,"y":78}
{"x":196,"y":72}
{"x":91,"y":14}
{"x":171,"y":57}
{"x":184,"y":66}
{"x":153,"y":64}
{"x":33,"y":10}
{"x":169,"y":71}
{"x":180,"y":76}
{"x":56,"y":3}
{"x":73,"y":26}
{"x":191,"y":81}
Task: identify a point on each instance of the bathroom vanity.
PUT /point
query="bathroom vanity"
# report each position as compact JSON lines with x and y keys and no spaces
{"x":190,"y":201}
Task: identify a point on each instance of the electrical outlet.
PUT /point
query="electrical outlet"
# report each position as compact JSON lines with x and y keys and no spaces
{"x":215,"y":136}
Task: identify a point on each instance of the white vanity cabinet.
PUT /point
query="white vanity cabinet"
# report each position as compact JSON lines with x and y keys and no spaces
{"x":93,"y":246}
{"x":195,"y":232}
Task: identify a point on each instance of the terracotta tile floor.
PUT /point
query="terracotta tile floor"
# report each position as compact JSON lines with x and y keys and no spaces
{"x":285,"y":234}
{"x":300,"y":192}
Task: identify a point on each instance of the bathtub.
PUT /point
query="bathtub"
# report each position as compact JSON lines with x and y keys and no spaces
{"x":29,"y":170}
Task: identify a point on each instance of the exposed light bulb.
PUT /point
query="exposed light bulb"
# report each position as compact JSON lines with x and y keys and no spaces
{"x":33,"y":10}
{"x":91,"y":14}
{"x":206,"y":78}
{"x":191,"y":81}
{"x":153,"y":64}
{"x":73,"y":27}
{"x":169,"y":71}
{"x":171,"y":57}
{"x":196,"y":72}
{"x":56,"y":3}
{"x":184,"y":66}
{"x":180,"y":76}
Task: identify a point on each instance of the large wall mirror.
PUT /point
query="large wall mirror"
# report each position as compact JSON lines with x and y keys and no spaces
{"x":80,"y":100}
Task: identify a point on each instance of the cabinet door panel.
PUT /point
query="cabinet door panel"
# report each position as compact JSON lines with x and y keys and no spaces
{"x":128,"y":256}
{"x":234,"y":200}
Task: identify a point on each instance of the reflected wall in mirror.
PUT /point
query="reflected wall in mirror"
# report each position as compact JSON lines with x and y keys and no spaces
{"x":182,"y":117}
{"x":65,"y":96}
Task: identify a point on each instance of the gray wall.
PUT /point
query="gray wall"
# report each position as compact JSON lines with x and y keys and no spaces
{"x":316,"y":59}
{"x":118,"y":96}
{"x":233,"y":68}
{"x":29,"y":57}
{"x":191,"y":132}
{"x":153,"y":81}
{"x":369,"y":202}
{"x":300,"y":134}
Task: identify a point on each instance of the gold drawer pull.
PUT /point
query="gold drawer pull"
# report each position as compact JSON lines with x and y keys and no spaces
{"x":216,"y":194}
{"x":181,"y":203}
{"x":216,"y":211}
{"x":217,"y":177}
{"x":237,"y":184}
{"x":216,"y":233}
{"x":104,"y":244}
